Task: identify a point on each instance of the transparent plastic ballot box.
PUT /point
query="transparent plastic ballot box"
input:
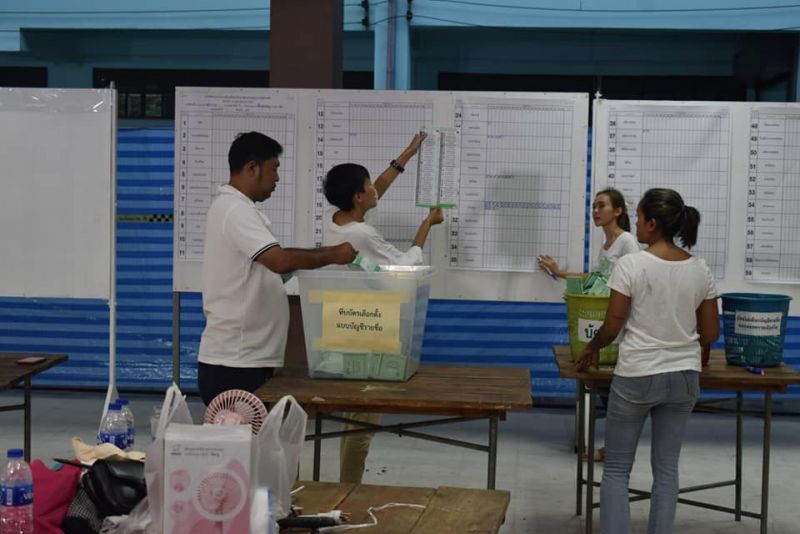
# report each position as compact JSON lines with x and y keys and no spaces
{"x":364,"y":325}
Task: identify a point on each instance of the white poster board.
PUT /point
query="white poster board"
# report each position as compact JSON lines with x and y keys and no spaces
{"x":680,"y":145}
{"x":206,"y":123}
{"x":372,"y":128}
{"x":56,"y":160}
{"x":772,"y":229}
{"x":522,"y":193}
{"x":737,"y":162}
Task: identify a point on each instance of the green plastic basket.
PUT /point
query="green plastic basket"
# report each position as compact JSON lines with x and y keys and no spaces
{"x":585,"y":315}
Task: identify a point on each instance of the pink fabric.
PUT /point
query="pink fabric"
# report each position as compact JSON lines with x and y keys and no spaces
{"x":53,"y":492}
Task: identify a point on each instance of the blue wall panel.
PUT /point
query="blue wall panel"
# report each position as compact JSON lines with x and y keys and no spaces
{"x":518,"y":334}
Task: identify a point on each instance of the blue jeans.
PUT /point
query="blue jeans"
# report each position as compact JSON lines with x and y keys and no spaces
{"x":669,"y":399}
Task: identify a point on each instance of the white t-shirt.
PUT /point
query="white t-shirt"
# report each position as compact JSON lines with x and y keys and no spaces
{"x":246,"y":308}
{"x":368,"y":241}
{"x":625,"y":243}
{"x":660,"y":335}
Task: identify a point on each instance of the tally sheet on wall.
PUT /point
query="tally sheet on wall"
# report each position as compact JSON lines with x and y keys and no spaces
{"x":372,"y":128}
{"x":682,"y":146}
{"x":772,"y":249}
{"x":520,"y":191}
{"x":206,"y":124}
{"x":517,"y":182}
{"x":737,"y":162}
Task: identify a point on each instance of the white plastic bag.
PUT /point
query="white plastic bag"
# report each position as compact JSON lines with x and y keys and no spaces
{"x":173,"y":410}
{"x":136,"y":522}
{"x":279,"y":444}
{"x":260,"y":520}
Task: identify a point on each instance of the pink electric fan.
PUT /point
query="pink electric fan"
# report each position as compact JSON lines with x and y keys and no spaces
{"x":236,"y":407}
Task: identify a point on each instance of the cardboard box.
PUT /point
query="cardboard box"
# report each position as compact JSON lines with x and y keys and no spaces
{"x":207,"y":487}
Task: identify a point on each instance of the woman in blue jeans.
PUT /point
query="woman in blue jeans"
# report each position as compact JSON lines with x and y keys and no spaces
{"x":665,"y":299}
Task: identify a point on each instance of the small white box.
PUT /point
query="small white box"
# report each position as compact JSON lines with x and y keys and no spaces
{"x":207,"y":486}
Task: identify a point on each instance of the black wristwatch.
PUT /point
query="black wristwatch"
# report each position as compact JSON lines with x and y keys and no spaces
{"x":393,"y":164}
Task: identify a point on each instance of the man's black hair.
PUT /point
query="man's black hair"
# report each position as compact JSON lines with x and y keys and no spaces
{"x":252,"y":146}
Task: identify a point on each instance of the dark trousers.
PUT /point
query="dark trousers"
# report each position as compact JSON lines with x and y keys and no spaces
{"x":214,"y":379}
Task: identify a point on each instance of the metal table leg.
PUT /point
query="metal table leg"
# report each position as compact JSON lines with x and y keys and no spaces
{"x":579,"y":416}
{"x":27,"y":438}
{"x":317,"y":445}
{"x":176,"y":337}
{"x":739,"y":424}
{"x":765,"y":461}
{"x":492,"y":451}
{"x":590,"y":464}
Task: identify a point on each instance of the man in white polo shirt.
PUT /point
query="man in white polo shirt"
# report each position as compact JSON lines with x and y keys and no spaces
{"x":245,"y":304}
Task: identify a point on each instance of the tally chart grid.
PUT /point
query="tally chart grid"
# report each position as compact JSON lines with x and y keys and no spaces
{"x":372,"y":134}
{"x":208,"y":139}
{"x":773,"y":221}
{"x":684,"y":150}
{"x":514,"y":195}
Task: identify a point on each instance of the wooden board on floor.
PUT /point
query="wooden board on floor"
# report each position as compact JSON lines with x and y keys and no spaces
{"x":400,"y":520}
{"x":446,"y":510}
{"x":320,"y":497}
{"x":464,"y":510}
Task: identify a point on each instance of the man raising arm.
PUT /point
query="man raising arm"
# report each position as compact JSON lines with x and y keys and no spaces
{"x":349,"y":188}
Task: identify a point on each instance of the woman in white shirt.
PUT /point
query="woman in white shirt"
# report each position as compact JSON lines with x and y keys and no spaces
{"x":666,"y":301}
{"x":611,"y":214}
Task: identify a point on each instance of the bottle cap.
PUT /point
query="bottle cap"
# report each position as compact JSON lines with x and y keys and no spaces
{"x":15,"y":453}
{"x":122,"y":402}
{"x":113,"y":406}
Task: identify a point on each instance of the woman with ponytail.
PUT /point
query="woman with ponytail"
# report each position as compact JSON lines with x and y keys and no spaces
{"x":664,"y":300}
{"x":611,"y":214}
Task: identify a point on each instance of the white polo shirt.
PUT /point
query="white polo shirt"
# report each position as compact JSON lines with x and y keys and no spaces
{"x":245,"y":304}
{"x":368,"y":241}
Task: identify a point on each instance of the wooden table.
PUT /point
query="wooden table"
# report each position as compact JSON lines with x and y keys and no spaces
{"x":446,"y":510}
{"x":460,"y":393}
{"x":12,"y":373}
{"x":717,"y":376}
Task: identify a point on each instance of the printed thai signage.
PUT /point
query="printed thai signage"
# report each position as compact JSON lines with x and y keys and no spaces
{"x":361,"y":320}
{"x":587,"y":328}
{"x":750,"y":323}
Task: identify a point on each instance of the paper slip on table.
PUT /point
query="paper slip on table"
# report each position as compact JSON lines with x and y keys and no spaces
{"x":717,"y":376}
{"x":447,"y":510}
{"x":459,"y":393}
{"x":12,"y":373}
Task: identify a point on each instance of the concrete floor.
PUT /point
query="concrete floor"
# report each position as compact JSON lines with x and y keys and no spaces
{"x":535,"y":461}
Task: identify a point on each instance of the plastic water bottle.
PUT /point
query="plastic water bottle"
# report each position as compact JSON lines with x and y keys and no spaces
{"x":127,"y":415}
{"x":114,"y":429}
{"x":16,"y":496}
